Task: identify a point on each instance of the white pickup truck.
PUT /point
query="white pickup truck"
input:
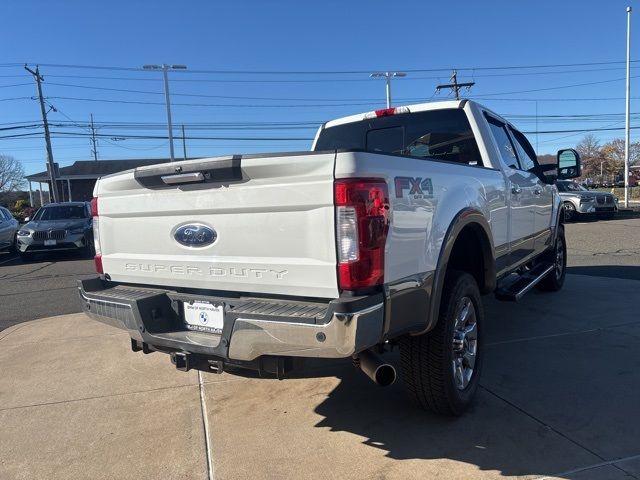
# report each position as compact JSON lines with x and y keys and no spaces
{"x":386,"y":233}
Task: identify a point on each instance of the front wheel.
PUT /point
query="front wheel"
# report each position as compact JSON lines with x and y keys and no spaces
{"x":558,"y":256}
{"x":441,"y":368}
{"x":14,"y":246}
{"x":569,"y":212}
{"x":25,"y":256}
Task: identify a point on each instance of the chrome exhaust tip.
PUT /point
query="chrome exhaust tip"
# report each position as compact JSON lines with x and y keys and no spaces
{"x":374,"y":367}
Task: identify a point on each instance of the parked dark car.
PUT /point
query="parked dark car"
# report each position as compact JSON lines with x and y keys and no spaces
{"x":55,"y":227}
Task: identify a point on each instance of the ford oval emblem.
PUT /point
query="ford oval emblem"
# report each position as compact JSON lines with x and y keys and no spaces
{"x":195,"y":235}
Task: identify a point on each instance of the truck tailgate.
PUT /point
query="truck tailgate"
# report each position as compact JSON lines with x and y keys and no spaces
{"x":273,"y":219}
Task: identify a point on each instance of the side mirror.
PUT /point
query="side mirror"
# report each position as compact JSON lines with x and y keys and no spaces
{"x":569,"y":165}
{"x":27,"y":219}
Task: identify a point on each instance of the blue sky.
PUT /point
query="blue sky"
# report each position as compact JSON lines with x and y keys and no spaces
{"x":294,"y":36}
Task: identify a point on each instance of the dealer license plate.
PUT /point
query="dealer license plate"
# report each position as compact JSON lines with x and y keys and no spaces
{"x":48,"y":243}
{"x":204,"y":317}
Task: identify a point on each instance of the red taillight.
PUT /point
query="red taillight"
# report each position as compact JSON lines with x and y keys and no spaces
{"x":94,"y":207}
{"x":96,"y":235}
{"x":98,"y":261}
{"x":362,"y":223}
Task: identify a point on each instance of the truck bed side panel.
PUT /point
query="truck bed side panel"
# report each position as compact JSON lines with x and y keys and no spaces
{"x":425,"y":196}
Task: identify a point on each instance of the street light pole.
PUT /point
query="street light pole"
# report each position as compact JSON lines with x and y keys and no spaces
{"x":388,"y":76}
{"x":165,"y":69}
{"x":627,"y":126}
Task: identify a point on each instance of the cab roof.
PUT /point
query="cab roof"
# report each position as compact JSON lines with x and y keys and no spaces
{"x":417,"y":107}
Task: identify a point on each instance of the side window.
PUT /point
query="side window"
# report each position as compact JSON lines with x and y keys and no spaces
{"x":505,"y":147}
{"x":4,"y":213}
{"x":526,"y":154}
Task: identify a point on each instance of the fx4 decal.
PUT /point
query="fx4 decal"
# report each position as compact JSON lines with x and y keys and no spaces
{"x":418,"y":187}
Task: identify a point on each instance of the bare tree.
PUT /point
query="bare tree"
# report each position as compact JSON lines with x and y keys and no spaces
{"x":591,"y":153}
{"x":11,"y":174}
{"x":589,"y":147}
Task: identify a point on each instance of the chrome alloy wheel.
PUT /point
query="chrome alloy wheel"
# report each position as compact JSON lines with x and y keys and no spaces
{"x":465,"y":342}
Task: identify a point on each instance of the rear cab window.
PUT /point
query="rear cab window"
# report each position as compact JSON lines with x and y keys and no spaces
{"x":432,"y":135}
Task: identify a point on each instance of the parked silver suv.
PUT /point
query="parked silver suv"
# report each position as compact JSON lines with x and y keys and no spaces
{"x":8,"y":229}
{"x":57,"y":226}
{"x":577,"y":201}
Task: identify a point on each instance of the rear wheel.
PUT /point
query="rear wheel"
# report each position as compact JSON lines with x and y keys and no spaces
{"x":558,"y":256}
{"x":441,"y":368}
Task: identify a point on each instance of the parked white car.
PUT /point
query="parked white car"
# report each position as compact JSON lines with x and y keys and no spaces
{"x":8,"y":228}
{"x":578,"y":201}
{"x":388,"y":232}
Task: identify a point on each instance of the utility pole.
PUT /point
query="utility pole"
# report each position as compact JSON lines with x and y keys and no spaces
{"x":165,"y":68}
{"x":455,"y":86}
{"x":94,"y":150}
{"x":47,"y":136}
{"x":388,"y":76}
{"x":184,"y":145}
{"x":627,"y":126}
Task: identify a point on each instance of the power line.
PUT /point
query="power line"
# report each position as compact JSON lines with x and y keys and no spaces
{"x":56,"y":134}
{"x":332,"y":72}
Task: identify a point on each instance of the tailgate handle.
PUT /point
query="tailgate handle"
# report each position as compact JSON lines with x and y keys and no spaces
{"x":183,"y":178}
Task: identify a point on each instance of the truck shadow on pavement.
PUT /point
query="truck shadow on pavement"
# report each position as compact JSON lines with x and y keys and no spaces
{"x":540,"y":409}
{"x":627,"y":272}
{"x":490,"y":436}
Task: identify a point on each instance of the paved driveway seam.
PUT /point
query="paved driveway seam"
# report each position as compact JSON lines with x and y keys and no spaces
{"x":591,"y":467}
{"x":546,"y":425}
{"x":554,"y":335}
{"x":205,"y":428}
{"x":44,"y":404}
{"x":68,"y":339}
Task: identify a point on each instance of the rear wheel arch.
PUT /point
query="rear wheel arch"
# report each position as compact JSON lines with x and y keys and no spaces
{"x":468,"y":238}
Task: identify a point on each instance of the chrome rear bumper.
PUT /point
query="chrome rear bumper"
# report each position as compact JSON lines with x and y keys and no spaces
{"x":253,"y":328}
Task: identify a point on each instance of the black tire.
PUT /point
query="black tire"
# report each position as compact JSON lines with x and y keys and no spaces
{"x":88,"y":251}
{"x":14,"y":246}
{"x":428,"y":360}
{"x":570,"y":213}
{"x":558,"y":256}
{"x":25,"y":256}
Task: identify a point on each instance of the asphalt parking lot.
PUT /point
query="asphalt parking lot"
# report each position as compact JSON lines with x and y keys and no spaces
{"x":41,"y":288}
{"x":559,"y":395}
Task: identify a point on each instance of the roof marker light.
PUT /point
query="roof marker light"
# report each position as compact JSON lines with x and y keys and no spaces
{"x":386,"y":112}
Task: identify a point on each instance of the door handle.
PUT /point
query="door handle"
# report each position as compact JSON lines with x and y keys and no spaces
{"x":515,"y":189}
{"x":537,"y":191}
